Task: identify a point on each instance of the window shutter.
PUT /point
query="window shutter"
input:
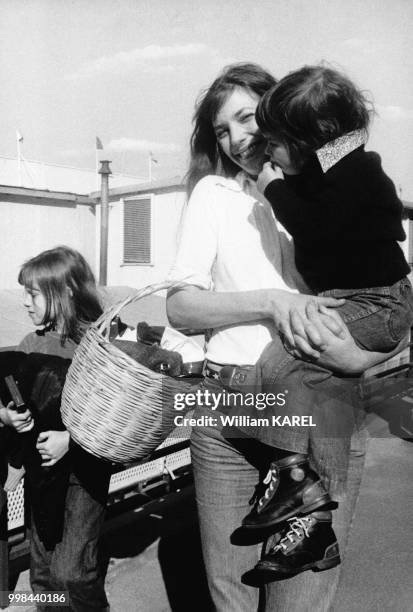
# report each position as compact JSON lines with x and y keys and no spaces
{"x":137,"y":231}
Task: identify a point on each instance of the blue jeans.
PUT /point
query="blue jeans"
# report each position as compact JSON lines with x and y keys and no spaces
{"x":377,"y":317}
{"x":224,"y":482}
{"x":333,"y":402}
{"x":73,"y":564}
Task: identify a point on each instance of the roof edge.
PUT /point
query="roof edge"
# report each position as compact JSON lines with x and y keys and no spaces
{"x":175,"y":183}
{"x":11,"y":193}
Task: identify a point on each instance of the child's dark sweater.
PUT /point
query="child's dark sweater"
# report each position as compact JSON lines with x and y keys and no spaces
{"x":40,"y":365}
{"x":345,"y":222}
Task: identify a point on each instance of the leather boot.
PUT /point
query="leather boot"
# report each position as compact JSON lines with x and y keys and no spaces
{"x":292,"y":488}
{"x":308,"y":542}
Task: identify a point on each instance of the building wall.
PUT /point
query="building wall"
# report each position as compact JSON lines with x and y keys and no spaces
{"x":166,"y":216}
{"x":29,"y":228}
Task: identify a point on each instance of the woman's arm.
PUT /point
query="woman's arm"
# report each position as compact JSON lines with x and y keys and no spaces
{"x":199,"y":309}
{"x":320,"y":335}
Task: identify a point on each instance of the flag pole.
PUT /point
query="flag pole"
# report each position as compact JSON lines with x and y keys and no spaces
{"x":19,"y":157}
{"x":98,"y":147}
{"x":151,"y":160}
{"x":104,"y":172}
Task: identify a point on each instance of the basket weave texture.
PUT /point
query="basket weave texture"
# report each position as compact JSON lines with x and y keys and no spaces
{"x":114,"y":407}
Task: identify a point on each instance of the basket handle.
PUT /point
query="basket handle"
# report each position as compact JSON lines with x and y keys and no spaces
{"x":104,"y":321}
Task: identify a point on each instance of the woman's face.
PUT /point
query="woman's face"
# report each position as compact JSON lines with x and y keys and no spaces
{"x":237,"y":132}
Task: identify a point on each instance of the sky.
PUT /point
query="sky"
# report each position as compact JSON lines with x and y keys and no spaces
{"x":129,"y":71}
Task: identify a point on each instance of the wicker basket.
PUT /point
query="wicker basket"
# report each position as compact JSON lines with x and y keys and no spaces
{"x":114,"y":407}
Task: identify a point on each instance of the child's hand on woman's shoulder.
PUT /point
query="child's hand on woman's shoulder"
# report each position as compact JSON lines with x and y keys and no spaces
{"x":268,"y":174}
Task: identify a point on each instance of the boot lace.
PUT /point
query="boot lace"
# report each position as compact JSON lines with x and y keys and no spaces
{"x":271,"y":480}
{"x":298,"y":528}
{"x":260,"y":493}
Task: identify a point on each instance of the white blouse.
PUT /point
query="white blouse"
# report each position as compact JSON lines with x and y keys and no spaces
{"x":230,"y":241}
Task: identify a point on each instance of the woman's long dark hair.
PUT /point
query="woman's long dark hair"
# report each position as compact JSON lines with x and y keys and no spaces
{"x":206,"y":157}
{"x":66,"y":281}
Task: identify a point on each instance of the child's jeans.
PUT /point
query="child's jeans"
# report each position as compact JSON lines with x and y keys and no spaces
{"x":378,"y":317}
{"x":327,"y":405}
{"x":73,"y":564}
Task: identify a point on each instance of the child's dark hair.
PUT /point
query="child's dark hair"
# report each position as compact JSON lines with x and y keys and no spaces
{"x":206,"y":157}
{"x":310,"y":107}
{"x":66,"y":281}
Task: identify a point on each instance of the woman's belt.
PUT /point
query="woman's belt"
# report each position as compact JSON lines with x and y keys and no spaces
{"x":227,"y":375}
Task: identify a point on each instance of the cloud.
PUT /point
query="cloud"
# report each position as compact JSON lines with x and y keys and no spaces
{"x":130,"y":144}
{"x":362,"y":46}
{"x":72,"y":152}
{"x":394,"y":113}
{"x":356,"y":43}
{"x":149,"y":58}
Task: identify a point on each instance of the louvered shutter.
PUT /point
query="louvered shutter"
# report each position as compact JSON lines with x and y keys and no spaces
{"x":137,"y":231}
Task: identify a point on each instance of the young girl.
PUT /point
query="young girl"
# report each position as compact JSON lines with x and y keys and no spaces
{"x":344,"y":215}
{"x":60,"y":296}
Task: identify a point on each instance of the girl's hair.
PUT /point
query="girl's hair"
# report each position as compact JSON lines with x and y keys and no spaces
{"x":206,"y":157}
{"x":310,"y":107}
{"x":68,"y":286}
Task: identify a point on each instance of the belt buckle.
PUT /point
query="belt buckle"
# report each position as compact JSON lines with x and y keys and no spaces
{"x":231,"y":376}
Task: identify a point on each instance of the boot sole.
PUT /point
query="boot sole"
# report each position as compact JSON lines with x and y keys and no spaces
{"x":318,"y":566}
{"x":324,"y":502}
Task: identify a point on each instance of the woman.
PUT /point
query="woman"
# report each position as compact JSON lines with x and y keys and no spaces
{"x":241,"y":281}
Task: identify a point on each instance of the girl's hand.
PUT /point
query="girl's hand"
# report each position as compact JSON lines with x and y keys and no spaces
{"x":20,"y":421}
{"x":52,"y":446}
{"x":289,"y":311}
{"x":267,"y":175}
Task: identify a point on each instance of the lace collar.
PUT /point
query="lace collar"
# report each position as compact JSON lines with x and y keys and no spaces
{"x":333,"y":151}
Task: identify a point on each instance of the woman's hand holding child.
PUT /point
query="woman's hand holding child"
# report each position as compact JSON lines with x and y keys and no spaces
{"x":325,"y":330}
{"x":282,"y":305}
